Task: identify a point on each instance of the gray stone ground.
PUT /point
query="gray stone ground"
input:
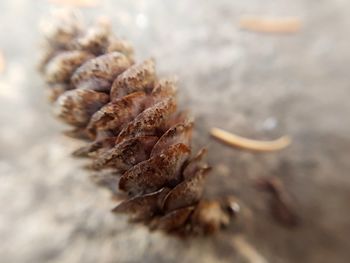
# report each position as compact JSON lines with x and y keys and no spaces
{"x":257,"y":85}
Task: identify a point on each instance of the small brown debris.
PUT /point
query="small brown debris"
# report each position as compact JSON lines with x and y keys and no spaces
{"x":270,"y":25}
{"x":76,"y":3}
{"x":249,"y":144}
{"x":209,"y":217}
{"x":281,"y":203}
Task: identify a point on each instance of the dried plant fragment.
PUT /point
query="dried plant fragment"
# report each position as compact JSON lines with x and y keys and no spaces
{"x":281,"y":204}
{"x":270,"y":25}
{"x":249,"y":144}
{"x":209,"y":217}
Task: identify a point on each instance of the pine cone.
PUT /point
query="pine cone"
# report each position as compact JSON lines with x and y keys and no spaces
{"x":131,"y":118}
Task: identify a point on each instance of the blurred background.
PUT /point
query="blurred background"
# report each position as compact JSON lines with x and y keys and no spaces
{"x":258,"y":84}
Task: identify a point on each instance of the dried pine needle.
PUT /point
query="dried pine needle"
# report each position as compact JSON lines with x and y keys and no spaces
{"x":249,"y":144}
{"x":76,"y":3}
{"x":270,"y":24}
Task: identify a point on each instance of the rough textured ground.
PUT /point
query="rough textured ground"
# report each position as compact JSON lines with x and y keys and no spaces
{"x":257,"y":85}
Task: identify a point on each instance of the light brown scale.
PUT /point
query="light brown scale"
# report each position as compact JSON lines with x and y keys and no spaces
{"x":156,"y":172}
{"x":55,"y":90}
{"x":98,"y":73}
{"x":61,"y":31}
{"x":95,"y":40}
{"x":76,"y":106}
{"x":126,"y":154}
{"x":195,"y":164}
{"x":142,"y":207}
{"x":149,"y":121}
{"x":173,"y":220}
{"x":180,"y":133}
{"x":114,"y":115}
{"x":186,"y":193}
{"x":94,"y":148}
{"x":61,"y":67}
{"x":121,"y":46}
{"x":139,"y":77}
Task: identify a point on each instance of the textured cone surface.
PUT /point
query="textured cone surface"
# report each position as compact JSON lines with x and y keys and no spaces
{"x":133,"y":124}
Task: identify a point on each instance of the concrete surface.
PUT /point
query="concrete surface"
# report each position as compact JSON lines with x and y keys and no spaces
{"x":257,"y":85}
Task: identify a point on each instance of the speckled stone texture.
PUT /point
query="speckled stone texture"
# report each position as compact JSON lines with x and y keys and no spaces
{"x":257,"y":85}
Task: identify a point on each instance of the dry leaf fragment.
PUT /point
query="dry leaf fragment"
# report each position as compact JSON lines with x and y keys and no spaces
{"x":269,"y":24}
{"x":249,"y":144}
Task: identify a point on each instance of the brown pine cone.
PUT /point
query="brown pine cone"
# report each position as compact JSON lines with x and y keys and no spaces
{"x":131,"y":118}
